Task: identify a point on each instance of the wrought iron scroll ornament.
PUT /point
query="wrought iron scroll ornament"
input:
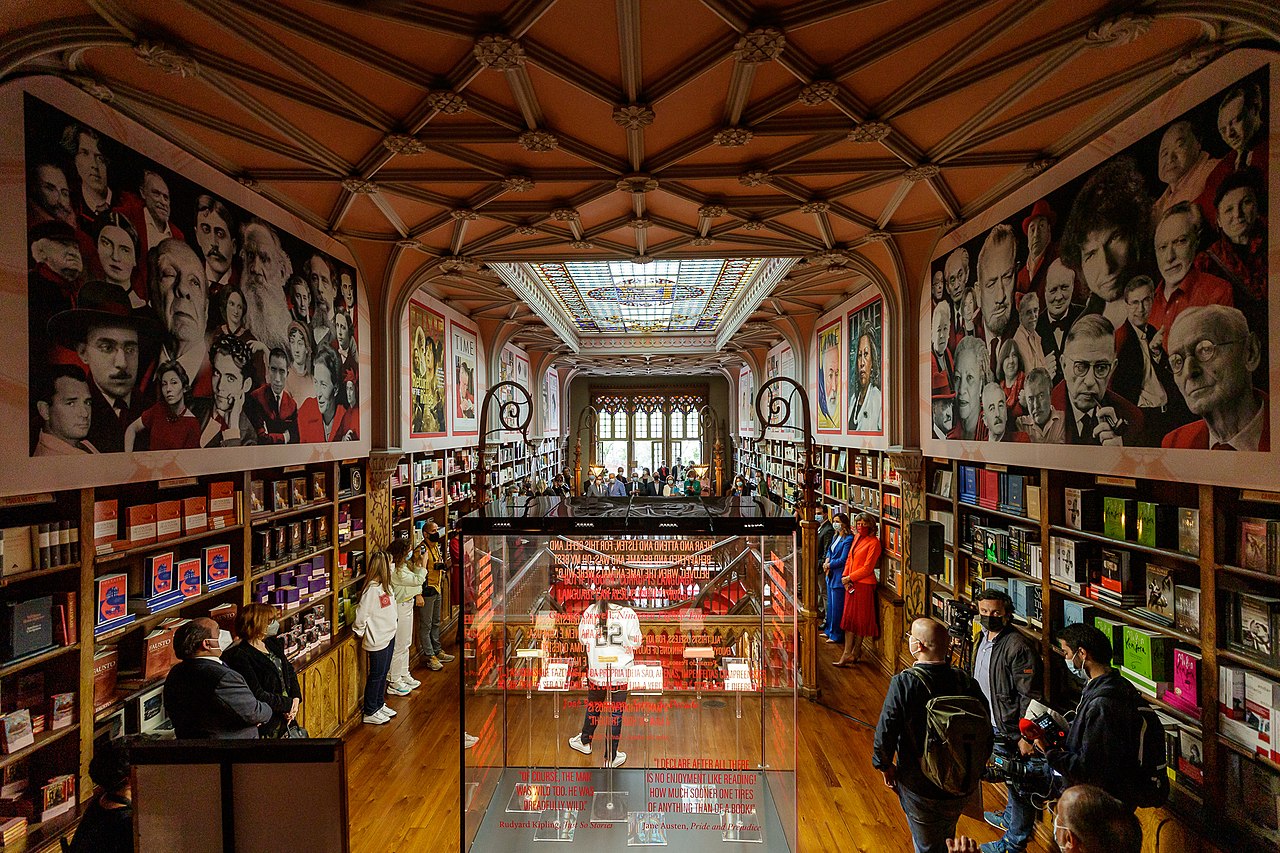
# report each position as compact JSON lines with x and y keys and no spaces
{"x":513,"y":415}
{"x":778,"y":414}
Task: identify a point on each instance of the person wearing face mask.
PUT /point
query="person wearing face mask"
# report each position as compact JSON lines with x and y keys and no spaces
{"x":430,"y":556}
{"x":407,"y":578}
{"x":1088,"y":820}
{"x":836,"y":555}
{"x":1007,"y":669}
{"x":258,"y":655}
{"x":203,"y":696}
{"x":1102,"y":744}
{"x":899,"y":747}
{"x":859,"y":580}
{"x":826,"y":533}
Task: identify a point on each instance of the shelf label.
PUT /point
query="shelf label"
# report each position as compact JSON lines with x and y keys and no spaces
{"x":1003,"y":469}
{"x":27,"y":500}
{"x":293,"y":469}
{"x":1254,"y":495}
{"x":177,"y":482}
{"x":1122,"y":482}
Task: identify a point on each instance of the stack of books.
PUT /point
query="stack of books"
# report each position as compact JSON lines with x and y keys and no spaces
{"x":13,"y":833}
{"x":1120,"y":580}
{"x":1159,"y":604}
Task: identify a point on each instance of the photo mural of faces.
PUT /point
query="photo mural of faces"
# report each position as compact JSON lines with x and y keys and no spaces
{"x":426,"y":371}
{"x":1129,"y":306}
{"x":162,"y":317}
{"x":830,"y":375}
{"x":866,"y":344}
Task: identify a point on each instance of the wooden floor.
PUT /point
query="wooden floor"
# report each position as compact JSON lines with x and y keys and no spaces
{"x":404,"y":776}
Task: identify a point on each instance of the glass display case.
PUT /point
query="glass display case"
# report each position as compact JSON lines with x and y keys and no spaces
{"x":630,"y":674}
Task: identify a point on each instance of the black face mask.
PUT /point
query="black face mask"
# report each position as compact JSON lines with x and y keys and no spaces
{"x":992,"y":623}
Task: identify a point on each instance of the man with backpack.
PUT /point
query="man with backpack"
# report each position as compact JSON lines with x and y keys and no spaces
{"x":1115,"y":741}
{"x":933,"y":739}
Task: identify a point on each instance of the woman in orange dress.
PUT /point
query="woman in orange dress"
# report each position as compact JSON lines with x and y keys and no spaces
{"x":859,"y":618}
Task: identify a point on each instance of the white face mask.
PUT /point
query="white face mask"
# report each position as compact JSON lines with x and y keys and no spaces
{"x":273,"y":627}
{"x":224,"y":640}
{"x":1078,"y":671}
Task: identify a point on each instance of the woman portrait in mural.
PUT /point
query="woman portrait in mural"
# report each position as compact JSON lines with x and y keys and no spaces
{"x":866,"y":403}
{"x":1150,"y":326}
{"x":160,"y":270}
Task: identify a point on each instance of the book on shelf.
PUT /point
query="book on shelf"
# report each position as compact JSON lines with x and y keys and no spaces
{"x":1159,"y":606}
{"x":168,"y":520}
{"x":141,"y":521}
{"x":279,"y":495}
{"x":1077,"y":613}
{"x":106,"y":670}
{"x":1185,"y":693}
{"x":222,"y":503}
{"x":1186,"y":609}
{"x":1033,"y":498}
{"x":257,"y":496}
{"x":195,"y":516}
{"x":1082,"y":509}
{"x":26,"y":627}
{"x":1148,"y":654}
{"x":1231,"y":691}
{"x":225,"y":616}
{"x":112,"y":597}
{"x":1157,"y":525}
{"x":1190,"y":755}
{"x":1251,"y":623}
{"x":217,"y":566}
{"x":66,"y":618}
{"x":106,"y":525}
{"x":1261,"y":694}
{"x":1070,"y":562}
{"x":298,"y":492}
{"x":1120,"y":518}
{"x":1189,"y":531}
{"x":15,"y":730}
{"x":62,"y":710}
{"x":1251,"y":552}
{"x":57,"y":797}
{"x":320,"y":486}
{"x":1114,"y":629}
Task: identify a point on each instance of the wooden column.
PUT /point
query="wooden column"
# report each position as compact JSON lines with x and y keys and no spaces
{"x":377,"y":523}
{"x":806,"y":572}
{"x":909,"y":464}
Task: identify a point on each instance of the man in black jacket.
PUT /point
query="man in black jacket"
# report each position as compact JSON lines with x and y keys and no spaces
{"x":203,"y":696}
{"x":826,"y":532}
{"x":931,"y":812}
{"x":1102,"y":744}
{"x":1007,"y":669}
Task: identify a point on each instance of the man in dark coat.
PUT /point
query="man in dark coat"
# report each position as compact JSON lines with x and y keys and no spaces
{"x":203,"y":696}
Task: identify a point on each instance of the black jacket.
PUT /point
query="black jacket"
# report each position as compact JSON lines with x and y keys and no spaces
{"x":826,"y":532}
{"x":1015,"y":679}
{"x":205,"y":698}
{"x":1102,"y":744}
{"x":105,"y":830}
{"x":900,"y":732}
{"x":265,"y":682}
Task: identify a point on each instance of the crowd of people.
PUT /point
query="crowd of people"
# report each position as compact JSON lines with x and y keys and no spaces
{"x":1143,"y":323}
{"x":161,"y":317}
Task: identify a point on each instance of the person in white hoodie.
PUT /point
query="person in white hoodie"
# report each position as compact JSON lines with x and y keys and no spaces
{"x":609,"y":630}
{"x":406,"y":586}
{"x":375,"y":624}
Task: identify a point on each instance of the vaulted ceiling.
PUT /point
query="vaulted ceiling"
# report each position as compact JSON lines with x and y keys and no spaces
{"x":435,"y":139}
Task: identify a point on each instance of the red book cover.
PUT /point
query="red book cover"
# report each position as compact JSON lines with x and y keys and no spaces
{"x":188,"y":574}
{"x":217,"y":563}
{"x":194,"y":517}
{"x":62,"y":710}
{"x":113,"y":596}
{"x":106,"y":524}
{"x":158,"y":571}
{"x":168,"y":520}
{"x":225,"y":616}
{"x":142,"y":524}
{"x":158,"y":657}
{"x":106,"y":665}
{"x":65,"y":629}
{"x":222,"y":501}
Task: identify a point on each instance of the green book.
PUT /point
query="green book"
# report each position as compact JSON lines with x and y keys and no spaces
{"x":1114,"y":629}
{"x":1147,"y":524}
{"x":1120,"y":518}
{"x":1148,"y":654}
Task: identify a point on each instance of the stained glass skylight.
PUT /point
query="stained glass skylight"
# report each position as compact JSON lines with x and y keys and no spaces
{"x":662,"y":296}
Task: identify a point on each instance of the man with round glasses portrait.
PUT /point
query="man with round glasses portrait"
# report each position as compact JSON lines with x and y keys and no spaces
{"x":1095,"y":415}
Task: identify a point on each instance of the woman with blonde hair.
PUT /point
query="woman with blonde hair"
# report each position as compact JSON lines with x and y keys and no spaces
{"x":375,"y":625}
{"x":406,"y":582}
{"x":259,"y":656}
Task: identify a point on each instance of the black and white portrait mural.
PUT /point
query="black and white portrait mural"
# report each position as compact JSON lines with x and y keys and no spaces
{"x":163,"y":317}
{"x":1127,"y":306}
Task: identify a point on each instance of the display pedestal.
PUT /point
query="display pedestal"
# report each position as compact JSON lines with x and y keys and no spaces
{"x":609,"y":805}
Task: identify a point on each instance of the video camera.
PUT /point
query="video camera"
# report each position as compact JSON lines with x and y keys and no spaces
{"x":960,"y":620}
{"x":1031,"y":774}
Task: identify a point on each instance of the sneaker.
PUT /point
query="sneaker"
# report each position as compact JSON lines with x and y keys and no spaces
{"x":619,"y":759}
{"x":469,"y":740}
{"x":411,"y":682}
{"x":387,"y":710}
{"x":375,"y":719}
{"x":996,"y":819}
{"x":444,"y":658}
{"x":434,"y":664}
{"x":575,"y":742}
{"x":395,"y":688}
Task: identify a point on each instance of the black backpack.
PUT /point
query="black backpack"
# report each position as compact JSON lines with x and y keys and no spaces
{"x":1151,"y":778}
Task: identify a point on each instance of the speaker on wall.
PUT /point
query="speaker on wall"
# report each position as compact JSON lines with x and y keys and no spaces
{"x":926,"y":547}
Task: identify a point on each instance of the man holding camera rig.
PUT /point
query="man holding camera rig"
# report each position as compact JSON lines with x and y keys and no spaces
{"x":1103,"y":745}
{"x":1007,"y":668}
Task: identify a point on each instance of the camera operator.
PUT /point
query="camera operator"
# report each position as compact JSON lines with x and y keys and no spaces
{"x":1007,"y":669}
{"x":1102,"y":744}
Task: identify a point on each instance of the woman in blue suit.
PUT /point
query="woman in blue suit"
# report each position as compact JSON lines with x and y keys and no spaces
{"x":834,"y":565}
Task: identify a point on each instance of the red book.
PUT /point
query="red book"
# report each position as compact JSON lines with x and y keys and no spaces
{"x":222,"y":503}
{"x":188,"y":573}
{"x":106,"y":665}
{"x":142,"y":524}
{"x":113,"y":596}
{"x":194,"y":517}
{"x":106,"y":524}
{"x":65,"y":629}
{"x":168,"y":520}
{"x":225,"y":616}
{"x":158,"y":573}
{"x":217,"y":563}
{"x":158,"y":657}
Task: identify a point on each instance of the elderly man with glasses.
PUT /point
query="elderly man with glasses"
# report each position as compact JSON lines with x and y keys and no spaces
{"x":1213,"y":355}
{"x":1094,"y":414}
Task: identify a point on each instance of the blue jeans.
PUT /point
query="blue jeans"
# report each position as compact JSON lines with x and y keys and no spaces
{"x":375,"y":683}
{"x":1019,"y":815}
{"x":429,"y":626}
{"x":931,"y":821}
{"x":835,"y":609}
